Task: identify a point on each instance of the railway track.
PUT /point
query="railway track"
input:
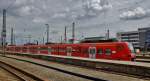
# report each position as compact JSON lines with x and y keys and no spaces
{"x":19,"y":73}
{"x":141,"y":58}
{"x":78,"y":74}
{"x":33,"y":78}
{"x":7,"y":76}
{"x":132,"y":68}
{"x":81,"y":72}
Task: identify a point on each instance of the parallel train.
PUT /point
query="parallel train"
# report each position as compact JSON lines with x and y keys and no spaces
{"x":110,"y":50}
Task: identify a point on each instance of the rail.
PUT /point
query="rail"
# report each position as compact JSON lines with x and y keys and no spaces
{"x":19,"y":73}
{"x":63,"y":71}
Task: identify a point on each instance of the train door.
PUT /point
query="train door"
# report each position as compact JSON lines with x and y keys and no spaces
{"x":49,"y":50}
{"x":69,"y":51}
{"x":38,"y":49}
{"x":92,"y":52}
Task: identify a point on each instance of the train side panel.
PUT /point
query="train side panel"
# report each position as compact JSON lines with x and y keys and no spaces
{"x":33,"y":49}
{"x":25,"y":49}
{"x":43,"y":49}
{"x":113,"y":51}
{"x":62,"y":49}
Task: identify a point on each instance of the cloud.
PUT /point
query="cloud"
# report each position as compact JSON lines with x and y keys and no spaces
{"x":39,"y":20}
{"x":62,"y":15}
{"x":25,"y":10}
{"x":33,"y":14}
{"x":93,"y":8}
{"x":59,"y":15}
{"x":23,"y":2}
{"x":137,"y":13}
{"x":54,"y":32}
{"x":19,"y":2}
{"x":88,"y":9}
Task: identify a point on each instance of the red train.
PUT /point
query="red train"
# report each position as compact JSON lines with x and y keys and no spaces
{"x":109,"y":50}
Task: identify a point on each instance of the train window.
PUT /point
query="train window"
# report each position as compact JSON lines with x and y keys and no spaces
{"x":100,"y":51}
{"x":120,"y":47}
{"x":52,"y":49}
{"x":92,"y":50}
{"x":61,"y":50}
{"x":43,"y":48}
{"x":69,"y":49}
{"x":108,"y":51}
{"x":64,"y":50}
{"x":34,"y":48}
{"x":49,"y":50}
{"x":24,"y":48}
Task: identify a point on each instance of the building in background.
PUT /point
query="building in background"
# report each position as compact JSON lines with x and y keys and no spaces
{"x":139,"y":39}
{"x":144,"y":36}
{"x":0,"y":42}
{"x":131,"y":37}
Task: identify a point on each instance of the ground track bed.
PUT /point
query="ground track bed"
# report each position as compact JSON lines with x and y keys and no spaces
{"x":133,"y":68}
{"x":7,"y":76}
{"x":46,"y":73}
{"x":70,"y":68}
{"x":20,"y":73}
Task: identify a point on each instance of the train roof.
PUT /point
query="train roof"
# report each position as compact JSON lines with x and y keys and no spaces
{"x":102,"y":43}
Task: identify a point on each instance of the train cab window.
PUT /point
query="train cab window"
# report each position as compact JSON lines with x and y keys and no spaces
{"x":100,"y":51}
{"x":131,"y":47}
{"x":92,"y":50}
{"x":120,"y":47}
{"x":108,"y":51}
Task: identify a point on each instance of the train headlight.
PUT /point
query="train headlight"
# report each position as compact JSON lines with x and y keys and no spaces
{"x":113,"y":52}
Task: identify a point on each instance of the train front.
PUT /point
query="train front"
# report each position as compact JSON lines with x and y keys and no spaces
{"x":132,"y":51}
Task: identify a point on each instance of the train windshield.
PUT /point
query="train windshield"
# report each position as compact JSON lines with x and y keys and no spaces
{"x":131,"y":47}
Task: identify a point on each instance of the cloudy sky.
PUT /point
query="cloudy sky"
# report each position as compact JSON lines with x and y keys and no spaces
{"x":92,"y":17}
